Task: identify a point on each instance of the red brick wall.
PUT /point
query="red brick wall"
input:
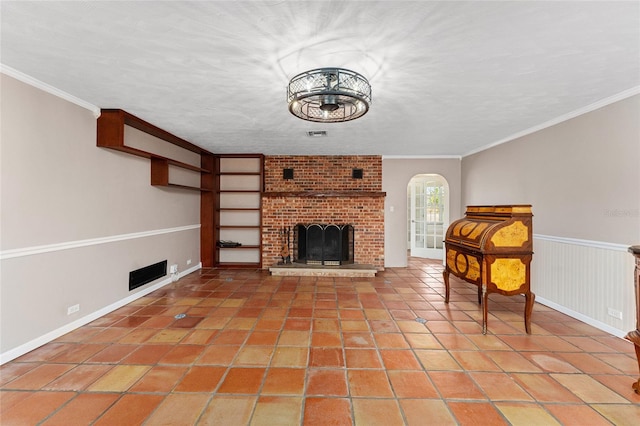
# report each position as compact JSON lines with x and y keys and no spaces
{"x":320,"y":175}
{"x":323,"y":173}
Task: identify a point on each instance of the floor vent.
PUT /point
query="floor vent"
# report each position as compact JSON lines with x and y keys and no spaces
{"x":145,"y":275}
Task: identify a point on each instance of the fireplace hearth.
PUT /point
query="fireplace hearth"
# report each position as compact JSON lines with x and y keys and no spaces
{"x":324,"y":244}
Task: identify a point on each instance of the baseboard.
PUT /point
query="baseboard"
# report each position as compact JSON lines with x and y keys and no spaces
{"x":581,"y":317}
{"x":52,"y":335}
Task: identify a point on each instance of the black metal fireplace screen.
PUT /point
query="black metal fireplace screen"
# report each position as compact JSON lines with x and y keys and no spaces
{"x":322,"y":244}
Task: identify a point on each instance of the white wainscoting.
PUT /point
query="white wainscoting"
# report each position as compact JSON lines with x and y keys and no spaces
{"x":584,"y":279}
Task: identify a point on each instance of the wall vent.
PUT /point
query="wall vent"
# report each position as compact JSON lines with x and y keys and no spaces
{"x":145,"y":275}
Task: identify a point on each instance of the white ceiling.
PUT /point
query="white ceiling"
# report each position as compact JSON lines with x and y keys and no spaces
{"x":448,"y":78}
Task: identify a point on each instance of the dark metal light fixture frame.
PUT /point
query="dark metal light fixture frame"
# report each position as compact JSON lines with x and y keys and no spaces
{"x":329,"y":95}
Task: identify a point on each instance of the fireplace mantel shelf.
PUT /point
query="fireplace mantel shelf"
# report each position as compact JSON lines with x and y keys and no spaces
{"x":325,"y":194}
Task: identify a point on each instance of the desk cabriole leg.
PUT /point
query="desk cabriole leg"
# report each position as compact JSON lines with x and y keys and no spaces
{"x":634,"y":337}
{"x":445,"y":277}
{"x":528,"y":310}
{"x":636,"y":385}
{"x":485,"y":308}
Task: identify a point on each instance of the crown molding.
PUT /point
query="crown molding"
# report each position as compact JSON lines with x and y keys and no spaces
{"x":27,"y":79}
{"x":565,"y":117}
{"x":421,"y":157}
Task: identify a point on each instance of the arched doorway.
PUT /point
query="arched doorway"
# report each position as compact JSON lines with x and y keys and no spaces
{"x":427,"y":215}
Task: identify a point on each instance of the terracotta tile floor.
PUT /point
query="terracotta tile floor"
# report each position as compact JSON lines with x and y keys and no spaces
{"x":262,"y":350}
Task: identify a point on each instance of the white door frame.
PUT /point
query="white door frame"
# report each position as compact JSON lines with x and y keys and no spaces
{"x":426,"y":229}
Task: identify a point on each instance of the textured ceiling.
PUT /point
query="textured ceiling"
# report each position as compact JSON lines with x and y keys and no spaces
{"x":447,"y":77}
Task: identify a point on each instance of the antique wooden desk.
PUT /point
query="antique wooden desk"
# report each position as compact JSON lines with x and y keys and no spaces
{"x":492,"y":247}
{"x":634,"y":336}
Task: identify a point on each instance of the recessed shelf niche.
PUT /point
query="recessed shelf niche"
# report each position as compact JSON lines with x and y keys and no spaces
{"x":238,"y":216}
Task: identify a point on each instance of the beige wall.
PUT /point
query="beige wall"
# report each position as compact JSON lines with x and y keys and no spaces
{"x":396,"y":174}
{"x":581,"y":176}
{"x":58,"y":188}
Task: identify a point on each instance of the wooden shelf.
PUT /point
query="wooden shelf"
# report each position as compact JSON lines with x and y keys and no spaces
{"x":239,"y":247}
{"x":238,"y":174}
{"x":140,"y":153}
{"x":160,"y":175}
{"x":239,"y":209}
{"x":238,"y":226}
{"x":240,"y":265}
{"x":250,"y":191}
{"x":187,"y":187}
{"x":111,"y":131}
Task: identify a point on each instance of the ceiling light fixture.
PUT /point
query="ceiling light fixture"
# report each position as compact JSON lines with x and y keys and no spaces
{"x":329,"y":95}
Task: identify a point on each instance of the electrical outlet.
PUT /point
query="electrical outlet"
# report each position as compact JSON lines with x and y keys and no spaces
{"x":188,"y":261}
{"x":173,"y":269}
{"x":73,"y":309}
{"x":614,"y":313}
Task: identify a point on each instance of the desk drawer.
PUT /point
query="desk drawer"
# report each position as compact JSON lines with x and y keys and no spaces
{"x":465,"y":265}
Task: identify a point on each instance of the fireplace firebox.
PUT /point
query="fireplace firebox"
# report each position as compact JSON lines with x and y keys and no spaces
{"x":324,"y":244}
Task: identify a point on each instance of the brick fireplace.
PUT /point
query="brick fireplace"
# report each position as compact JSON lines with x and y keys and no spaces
{"x":324,"y":189}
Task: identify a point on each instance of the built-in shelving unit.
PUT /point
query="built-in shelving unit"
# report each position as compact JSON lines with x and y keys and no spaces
{"x":111,"y":134}
{"x":111,"y":130}
{"x":239,"y":183}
